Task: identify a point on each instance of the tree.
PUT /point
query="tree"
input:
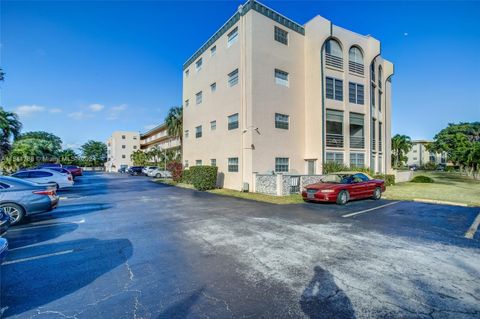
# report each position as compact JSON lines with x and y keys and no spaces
{"x":27,"y":153}
{"x":94,"y":153}
{"x":174,"y":121}
{"x":68,"y":157}
{"x":2,"y":75}
{"x":10,"y":127}
{"x":155,"y":155}
{"x":401,"y":145}
{"x":139,"y":158}
{"x":41,"y":135}
{"x":461,"y":142}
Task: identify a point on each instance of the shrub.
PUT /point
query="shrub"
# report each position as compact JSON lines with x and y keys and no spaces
{"x":203,"y":177}
{"x":428,"y":166}
{"x":422,"y":179}
{"x":187,"y":177}
{"x":176,"y":169}
{"x":388,"y":178}
{"x":332,"y":167}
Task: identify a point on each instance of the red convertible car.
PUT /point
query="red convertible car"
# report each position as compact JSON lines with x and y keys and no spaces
{"x":342,"y":186}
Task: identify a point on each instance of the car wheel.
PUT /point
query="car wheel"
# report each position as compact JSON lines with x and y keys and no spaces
{"x":342,"y":198}
{"x":158,"y":175}
{"x":15,"y":212}
{"x":377,"y":193}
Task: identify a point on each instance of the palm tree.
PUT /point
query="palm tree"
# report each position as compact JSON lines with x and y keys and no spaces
{"x":401,"y":144}
{"x":174,"y":121}
{"x":2,"y":75}
{"x":10,"y":127}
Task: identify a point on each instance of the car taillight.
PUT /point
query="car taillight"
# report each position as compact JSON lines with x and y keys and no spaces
{"x":69,"y":177}
{"x":49,"y":192}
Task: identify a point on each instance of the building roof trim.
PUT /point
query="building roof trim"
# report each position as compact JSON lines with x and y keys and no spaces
{"x":256,"y":6}
{"x":152,"y":130}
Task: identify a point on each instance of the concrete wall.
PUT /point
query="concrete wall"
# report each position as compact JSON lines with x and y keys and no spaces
{"x":403,"y":176}
{"x":280,"y":184}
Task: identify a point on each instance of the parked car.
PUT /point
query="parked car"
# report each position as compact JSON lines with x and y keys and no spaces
{"x":441,"y":167}
{"x":20,"y":198}
{"x":61,"y":170}
{"x":46,"y":176}
{"x":74,"y":170}
{"x":123,"y":169}
{"x":3,"y":249}
{"x":158,"y":173}
{"x":343,"y":186}
{"x":147,"y":169}
{"x":414,"y":167}
{"x":4,"y":221}
{"x":135,"y":170}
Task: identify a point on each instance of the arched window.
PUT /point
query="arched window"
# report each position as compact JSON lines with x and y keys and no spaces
{"x":355,"y":63}
{"x":372,"y":72}
{"x":380,"y":76}
{"x":333,"y":54}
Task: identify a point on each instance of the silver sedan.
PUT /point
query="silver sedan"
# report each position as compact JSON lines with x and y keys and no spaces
{"x":20,"y":198}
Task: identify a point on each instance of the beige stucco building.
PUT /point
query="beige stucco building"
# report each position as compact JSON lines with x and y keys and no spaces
{"x":419,"y":155}
{"x":265,"y":94}
{"x":122,"y":144}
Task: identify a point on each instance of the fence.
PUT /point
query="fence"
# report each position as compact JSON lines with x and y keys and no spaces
{"x":282,"y":184}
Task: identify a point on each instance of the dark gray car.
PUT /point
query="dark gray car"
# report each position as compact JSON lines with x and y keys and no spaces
{"x":20,"y":198}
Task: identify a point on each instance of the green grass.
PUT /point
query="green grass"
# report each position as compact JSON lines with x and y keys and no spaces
{"x":169,"y":181}
{"x":450,"y":187}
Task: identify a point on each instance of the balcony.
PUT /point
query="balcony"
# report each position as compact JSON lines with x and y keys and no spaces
{"x":334,"y":140}
{"x":355,"y":67}
{"x":357,"y":142}
{"x":335,"y":61}
{"x":380,"y":146}
{"x":374,"y":144}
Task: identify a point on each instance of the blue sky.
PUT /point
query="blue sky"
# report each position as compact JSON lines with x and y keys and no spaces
{"x":84,"y":69}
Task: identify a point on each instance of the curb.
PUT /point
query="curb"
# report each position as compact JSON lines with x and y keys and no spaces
{"x":431,"y":201}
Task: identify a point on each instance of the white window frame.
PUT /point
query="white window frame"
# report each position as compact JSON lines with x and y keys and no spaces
{"x":233,"y":78}
{"x":232,"y":37}
{"x":277,"y":165}
{"x":199,"y":98}
{"x":198,"y":64}
{"x":231,"y":163}
{"x":285,"y":80}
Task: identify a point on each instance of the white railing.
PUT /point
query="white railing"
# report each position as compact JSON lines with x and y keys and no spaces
{"x":357,"y":142}
{"x":334,"y":140}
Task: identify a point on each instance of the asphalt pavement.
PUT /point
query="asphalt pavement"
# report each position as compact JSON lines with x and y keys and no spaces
{"x":126,"y":247}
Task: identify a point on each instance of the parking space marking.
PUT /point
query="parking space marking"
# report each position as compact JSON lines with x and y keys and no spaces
{"x":369,"y":210}
{"x":45,"y":224}
{"x":37,"y":257}
{"x":473,"y":229}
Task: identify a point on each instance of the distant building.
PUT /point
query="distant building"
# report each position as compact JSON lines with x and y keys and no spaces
{"x":122,"y":144}
{"x":266,"y":94}
{"x":419,"y":155}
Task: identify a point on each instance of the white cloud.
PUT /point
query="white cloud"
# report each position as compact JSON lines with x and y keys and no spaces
{"x":405,"y":33}
{"x":79,"y":115}
{"x":55,"y":110}
{"x":96,"y":107}
{"x":26,"y":110}
{"x":115,"y":111}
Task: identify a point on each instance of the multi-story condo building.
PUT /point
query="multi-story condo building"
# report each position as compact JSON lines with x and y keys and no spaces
{"x":419,"y":155}
{"x":265,"y":94}
{"x":122,"y":144}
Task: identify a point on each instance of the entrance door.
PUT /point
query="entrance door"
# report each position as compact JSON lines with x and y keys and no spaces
{"x":311,"y":167}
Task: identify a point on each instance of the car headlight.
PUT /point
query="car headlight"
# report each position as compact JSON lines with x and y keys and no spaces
{"x":327,"y":191}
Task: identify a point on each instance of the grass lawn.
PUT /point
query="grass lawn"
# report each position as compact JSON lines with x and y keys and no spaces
{"x":451,"y":187}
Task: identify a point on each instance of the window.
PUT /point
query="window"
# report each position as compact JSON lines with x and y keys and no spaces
{"x":39,"y":174}
{"x":379,"y":136}
{"x":233,"y":164}
{"x":355,"y":93}
{"x":380,"y":76}
{"x":198,"y":163}
{"x":281,"y":77}
{"x":372,"y":72}
{"x":213,"y":50}
{"x":414,"y":158}
{"x":233,"y":78}
{"x":355,"y":60}
{"x":414,"y":151}
{"x":124,"y":156}
{"x":187,"y":103}
{"x":4,"y":186}
{"x":232,"y":37}
{"x":281,"y":121}
{"x":357,"y":160}
{"x":357,"y":131}
{"x":281,"y":35}
{"x":379,"y":101}
{"x":186,"y":164}
{"x":198,"y":64}
{"x":187,"y":73}
{"x":198,"y":98}
{"x":334,"y":157}
{"x":213,"y":125}
{"x":186,"y":133}
{"x":233,"y":121}
{"x":213,"y":162}
{"x":372,"y":94}
{"x":123,"y":137}
{"x":134,"y":137}
{"x":21,"y":175}
{"x":311,"y":167}
{"x":334,"y":89}
{"x":374,"y":139}
{"x":333,"y":54}
{"x":198,"y":131}
{"x":213,"y":87}
{"x":134,"y":147}
{"x":123,"y":146}
{"x":334,"y":128}
{"x":281,"y":164}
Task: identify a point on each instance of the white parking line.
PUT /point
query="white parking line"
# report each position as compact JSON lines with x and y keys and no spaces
{"x":37,"y":257}
{"x":369,"y":210}
{"x":45,"y":224}
{"x":473,"y":229}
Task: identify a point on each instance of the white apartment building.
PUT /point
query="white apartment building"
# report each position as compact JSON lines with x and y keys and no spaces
{"x":266,"y":94}
{"x":419,"y":155}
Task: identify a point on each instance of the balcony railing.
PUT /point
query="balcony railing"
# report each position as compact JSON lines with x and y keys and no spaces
{"x":357,"y":142}
{"x":334,"y":61}
{"x":355,"y":67}
{"x":380,"y":146}
{"x":334,"y":140}
{"x":374,"y":144}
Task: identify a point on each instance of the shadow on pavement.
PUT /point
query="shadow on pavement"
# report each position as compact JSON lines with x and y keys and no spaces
{"x":25,"y":235}
{"x":182,"y":308}
{"x":33,"y":283}
{"x":68,"y":211}
{"x":322,"y":298}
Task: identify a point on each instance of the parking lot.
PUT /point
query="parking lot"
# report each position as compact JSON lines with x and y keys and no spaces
{"x":125,"y":247}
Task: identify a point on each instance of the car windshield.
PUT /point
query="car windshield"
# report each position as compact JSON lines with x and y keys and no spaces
{"x":338,"y":178}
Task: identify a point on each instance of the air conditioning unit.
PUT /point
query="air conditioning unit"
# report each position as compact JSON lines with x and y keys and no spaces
{"x":245,"y":187}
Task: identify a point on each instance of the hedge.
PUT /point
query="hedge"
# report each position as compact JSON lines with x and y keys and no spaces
{"x":422,"y":179}
{"x":388,"y":178}
{"x":203,"y":177}
{"x":187,"y":177}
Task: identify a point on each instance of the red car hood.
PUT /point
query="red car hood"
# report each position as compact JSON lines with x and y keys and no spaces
{"x":321,"y":186}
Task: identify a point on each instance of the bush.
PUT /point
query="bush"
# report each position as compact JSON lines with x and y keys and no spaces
{"x":428,"y":166}
{"x":176,"y":169}
{"x":187,"y":177}
{"x":203,"y":177}
{"x":388,"y":178}
{"x":422,"y":179}
{"x":332,"y":167}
